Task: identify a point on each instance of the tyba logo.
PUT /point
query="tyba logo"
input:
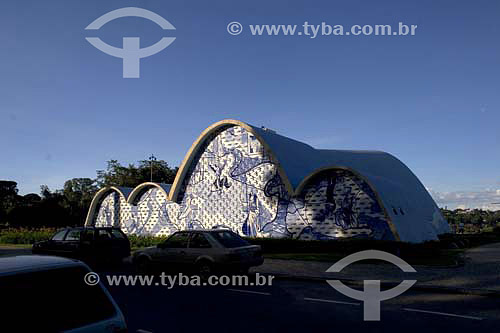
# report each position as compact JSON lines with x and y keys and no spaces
{"x":131,"y":53}
{"x":371,"y":294}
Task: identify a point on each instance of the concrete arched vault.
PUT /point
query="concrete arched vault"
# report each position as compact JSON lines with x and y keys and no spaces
{"x":395,"y":187}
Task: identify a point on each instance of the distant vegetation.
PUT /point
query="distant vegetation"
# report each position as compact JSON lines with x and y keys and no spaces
{"x":472,"y":221}
{"x":68,"y":206}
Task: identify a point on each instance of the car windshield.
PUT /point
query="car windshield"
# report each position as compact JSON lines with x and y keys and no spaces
{"x":229,"y":239}
{"x":117,"y":234}
{"x":59,"y":235}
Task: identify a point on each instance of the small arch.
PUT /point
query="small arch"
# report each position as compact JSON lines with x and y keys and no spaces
{"x":96,"y":201}
{"x":139,"y":189}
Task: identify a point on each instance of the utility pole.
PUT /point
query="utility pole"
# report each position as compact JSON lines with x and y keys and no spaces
{"x":152,"y":159}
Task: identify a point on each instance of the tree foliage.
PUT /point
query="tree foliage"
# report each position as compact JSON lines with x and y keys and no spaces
{"x":131,"y":175}
{"x":472,"y":220}
{"x":68,"y":206}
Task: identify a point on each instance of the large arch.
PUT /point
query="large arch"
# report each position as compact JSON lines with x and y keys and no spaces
{"x":96,"y":201}
{"x":318,"y":171}
{"x":205,"y":135}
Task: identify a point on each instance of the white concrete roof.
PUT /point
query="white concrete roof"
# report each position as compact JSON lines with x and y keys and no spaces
{"x":394,"y":182}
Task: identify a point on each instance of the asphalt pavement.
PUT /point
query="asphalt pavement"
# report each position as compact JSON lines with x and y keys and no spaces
{"x":301,"y":305}
{"x":293,"y":306}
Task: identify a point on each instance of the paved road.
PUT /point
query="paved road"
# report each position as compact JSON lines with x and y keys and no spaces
{"x":290,"y":306}
{"x":8,"y":251}
{"x":481,"y":270}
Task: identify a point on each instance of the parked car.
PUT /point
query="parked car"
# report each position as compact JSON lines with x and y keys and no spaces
{"x":49,"y":294}
{"x":205,"y":251}
{"x":86,"y":243}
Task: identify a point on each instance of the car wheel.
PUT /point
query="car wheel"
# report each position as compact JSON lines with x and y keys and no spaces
{"x":204,"y":269}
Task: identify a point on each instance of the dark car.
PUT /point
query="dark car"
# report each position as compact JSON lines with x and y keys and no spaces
{"x":205,"y":251}
{"x":86,"y":243}
{"x":52,"y":294}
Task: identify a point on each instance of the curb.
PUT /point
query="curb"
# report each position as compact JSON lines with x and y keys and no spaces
{"x":417,"y":286}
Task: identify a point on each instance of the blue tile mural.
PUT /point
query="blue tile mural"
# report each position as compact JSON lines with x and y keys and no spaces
{"x":234,"y":183}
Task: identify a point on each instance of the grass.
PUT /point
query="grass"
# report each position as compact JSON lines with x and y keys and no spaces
{"x":15,"y":246}
{"x":443,"y":259}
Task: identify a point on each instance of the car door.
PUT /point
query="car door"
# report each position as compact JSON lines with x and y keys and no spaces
{"x":71,"y":244}
{"x":87,"y":237}
{"x":55,"y":244}
{"x":199,"y":246}
{"x":173,"y":250}
{"x":102,"y":242}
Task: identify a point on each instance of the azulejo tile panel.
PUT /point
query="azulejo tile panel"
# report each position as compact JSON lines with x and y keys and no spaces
{"x":234,"y":183}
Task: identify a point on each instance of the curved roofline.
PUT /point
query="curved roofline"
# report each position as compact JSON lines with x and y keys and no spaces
{"x":195,"y":147}
{"x":304,"y":182}
{"x":137,"y":190}
{"x":296,"y":163}
{"x":97,"y":199}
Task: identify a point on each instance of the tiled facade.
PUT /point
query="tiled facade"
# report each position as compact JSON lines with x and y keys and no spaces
{"x":233,"y":182}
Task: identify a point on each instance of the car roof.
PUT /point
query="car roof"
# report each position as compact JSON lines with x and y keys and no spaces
{"x":31,"y":263}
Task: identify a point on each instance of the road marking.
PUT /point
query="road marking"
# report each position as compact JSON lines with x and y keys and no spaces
{"x":443,"y":314}
{"x":250,"y":292}
{"x":329,"y":301}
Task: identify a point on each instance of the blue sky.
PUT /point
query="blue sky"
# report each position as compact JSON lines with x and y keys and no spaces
{"x":431,"y":99}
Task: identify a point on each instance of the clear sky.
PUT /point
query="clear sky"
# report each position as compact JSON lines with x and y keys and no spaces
{"x":431,"y":99}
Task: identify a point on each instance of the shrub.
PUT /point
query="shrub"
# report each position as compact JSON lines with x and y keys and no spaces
{"x":145,"y":241}
{"x":346,"y":246}
{"x":25,"y":235}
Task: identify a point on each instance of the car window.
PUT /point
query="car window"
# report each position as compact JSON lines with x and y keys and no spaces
{"x":199,"y":241}
{"x":117,"y":234}
{"x":59,"y":235}
{"x":73,"y":235}
{"x":229,"y":239}
{"x":103,"y":234}
{"x":87,"y":235}
{"x":179,"y":240}
{"x":81,"y":305}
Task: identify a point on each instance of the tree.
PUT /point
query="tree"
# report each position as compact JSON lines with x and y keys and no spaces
{"x":131,"y":176}
{"x":8,"y":198}
{"x":77,"y":196}
{"x":7,"y":188}
{"x":69,"y":206}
